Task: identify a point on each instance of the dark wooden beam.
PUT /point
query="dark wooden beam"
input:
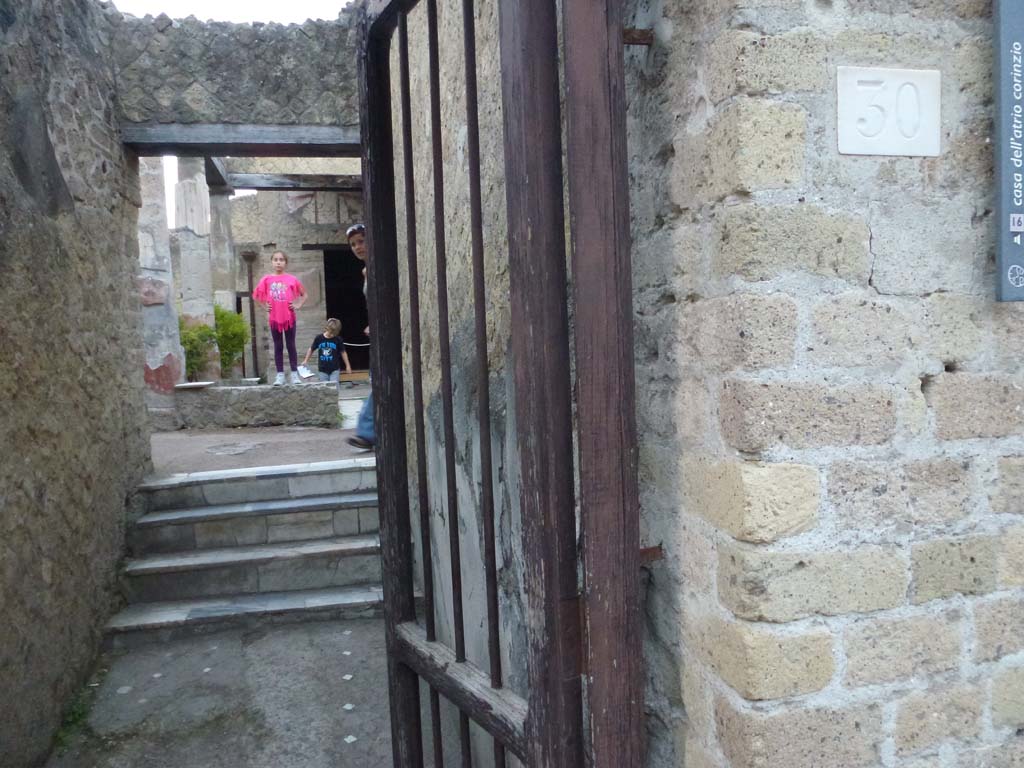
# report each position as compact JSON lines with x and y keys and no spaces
{"x":217,"y":175}
{"x":498,"y":711}
{"x":289,"y":181}
{"x":326,"y":247}
{"x":202,"y":140}
{"x":632,"y":36}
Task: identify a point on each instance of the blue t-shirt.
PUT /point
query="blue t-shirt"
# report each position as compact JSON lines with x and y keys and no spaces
{"x":329,"y":351}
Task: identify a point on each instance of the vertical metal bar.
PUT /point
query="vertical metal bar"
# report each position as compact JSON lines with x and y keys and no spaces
{"x":417,"y":370}
{"x":482,"y":367}
{"x":386,"y":363}
{"x":540,"y":347}
{"x":446,"y":357}
{"x":595,"y":106}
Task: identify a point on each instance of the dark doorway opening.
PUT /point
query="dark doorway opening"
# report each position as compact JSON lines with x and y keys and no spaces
{"x":345,"y":300}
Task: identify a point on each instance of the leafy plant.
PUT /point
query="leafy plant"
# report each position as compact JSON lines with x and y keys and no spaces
{"x":232,"y":335}
{"x":197,"y":340}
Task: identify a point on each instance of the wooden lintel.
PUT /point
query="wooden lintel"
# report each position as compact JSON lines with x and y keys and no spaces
{"x":499,"y":711}
{"x":295,"y":181}
{"x":632,"y":36}
{"x":209,"y":140}
{"x":217,"y":175}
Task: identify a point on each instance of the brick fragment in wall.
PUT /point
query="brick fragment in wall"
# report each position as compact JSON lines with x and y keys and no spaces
{"x":1011,"y":558}
{"x":744,"y":331}
{"x":758,"y":662}
{"x":880,"y":497}
{"x":761,"y":585}
{"x":800,"y":737}
{"x":998,"y":628}
{"x":760,"y":242}
{"x":753,"y":144}
{"x":856,"y":330}
{"x":927,"y":718}
{"x":968,"y":405}
{"x":757,"y":415}
{"x":1008,"y":698}
{"x":163,"y":378}
{"x":752,"y":501}
{"x":748,"y":63}
{"x":944,"y":567}
{"x":887,"y":650}
{"x":152,"y":291}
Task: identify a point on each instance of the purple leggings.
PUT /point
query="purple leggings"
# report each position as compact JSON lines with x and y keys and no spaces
{"x":279,"y":339}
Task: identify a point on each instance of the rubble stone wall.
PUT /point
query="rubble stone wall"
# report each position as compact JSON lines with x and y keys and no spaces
{"x":73,"y":426}
{"x":829,"y":397}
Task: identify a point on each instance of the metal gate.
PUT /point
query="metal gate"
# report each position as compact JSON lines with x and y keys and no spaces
{"x":584,"y":650}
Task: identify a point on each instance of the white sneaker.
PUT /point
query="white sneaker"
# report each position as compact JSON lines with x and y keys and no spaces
{"x":279,"y":380}
{"x":293,"y":378}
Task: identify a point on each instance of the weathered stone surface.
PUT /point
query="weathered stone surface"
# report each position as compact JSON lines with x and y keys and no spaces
{"x":857,"y":331}
{"x":932,"y":716}
{"x":1008,"y":755}
{"x":782,"y":586}
{"x":944,"y":567}
{"x":1008,"y":698}
{"x":998,"y":628}
{"x":1011,"y":558}
{"x":752,"y":501}
{"x":744,"y":62}
{"x":976,"y":405}
{"x":1008,"y":495}
{"x":800,"y":738}
{"x":886,"y":650}
{"x":299,"y":405}
{"x":757,"y":415}
{"x":761,"y":664}
{"x":761,"y":242}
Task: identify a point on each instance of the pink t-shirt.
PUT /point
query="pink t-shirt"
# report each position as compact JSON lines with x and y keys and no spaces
{"x":279,"y":291}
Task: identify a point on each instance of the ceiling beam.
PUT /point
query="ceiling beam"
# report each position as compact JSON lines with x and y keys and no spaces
{"x":217,"y":175}
{"x":295,"y":181}
{"x":229,"y":139}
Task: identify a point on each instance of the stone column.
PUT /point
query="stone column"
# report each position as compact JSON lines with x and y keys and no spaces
{"x":223,"y":266}
{"x":165,"y":360}
{"x":190,"y":242}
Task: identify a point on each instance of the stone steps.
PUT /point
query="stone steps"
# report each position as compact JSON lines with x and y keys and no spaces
{"x":335,"y":562}
{"x":161,"y":621}
{"x":255,"y":522}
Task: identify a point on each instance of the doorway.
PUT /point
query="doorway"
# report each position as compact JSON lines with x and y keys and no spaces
{"x":345,"y":300}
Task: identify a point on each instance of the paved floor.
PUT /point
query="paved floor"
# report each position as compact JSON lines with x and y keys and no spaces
{"x":198,"y":450}
{"x":272,"y":698}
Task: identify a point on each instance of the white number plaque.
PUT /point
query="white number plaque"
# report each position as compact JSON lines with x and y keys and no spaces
{"x":889,"y":111}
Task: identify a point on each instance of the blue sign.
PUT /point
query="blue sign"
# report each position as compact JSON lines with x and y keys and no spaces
{"x":1009,"y":24}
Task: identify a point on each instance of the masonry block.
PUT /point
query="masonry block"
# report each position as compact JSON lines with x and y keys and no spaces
{"x":926,"y":718}
{"x":782,"y":586}
{"x":744,"y":62}
{"x":760,"y":663}
{"x":757,"y":415}
{"x":886,"y":650}
{"x":753,"y":501}
{"x":1008,"y":698}
{"x":762,"y":242}
{"x":745,"y":331}
{"x":1011,"y":558}
{"x":935,"y":9}
{"x":1007,"y":755}
{"x":998,"y":628}
{"x":1008,"y":495}
{"x":800,"y":738}
{"x":945,"y":567}
{"x":753,"y":144}
{"x":855,"y":330}
{"x":968,"y":405}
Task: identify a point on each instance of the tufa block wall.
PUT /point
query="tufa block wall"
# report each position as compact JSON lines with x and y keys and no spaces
{"x":73,"y":427}
{"x":838,"y":487}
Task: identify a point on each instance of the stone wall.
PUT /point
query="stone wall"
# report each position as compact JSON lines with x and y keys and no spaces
{"x":188,"y":71}
{"x":305,"y":405}
{"x":837,"y":488}
{"x":73,"y":435}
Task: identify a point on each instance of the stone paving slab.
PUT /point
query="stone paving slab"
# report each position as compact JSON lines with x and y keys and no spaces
{"x":271,"y":698}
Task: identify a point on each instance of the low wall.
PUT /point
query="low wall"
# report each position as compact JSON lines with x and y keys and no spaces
{"x":303,"y":405}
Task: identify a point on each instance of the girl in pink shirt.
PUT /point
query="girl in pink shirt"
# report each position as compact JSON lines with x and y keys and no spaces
{"x":281,"y":294}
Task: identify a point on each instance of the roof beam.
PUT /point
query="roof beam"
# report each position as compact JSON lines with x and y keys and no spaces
{"x":217,"y":175}
{"x":291,"y":181}
{"x":209,"y":140}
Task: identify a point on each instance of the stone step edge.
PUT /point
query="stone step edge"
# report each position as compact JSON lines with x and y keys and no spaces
{"x":216,"y":512}
{"x":230,"y":557}
{"x":185,"y":479}
{"x":179,"y":613}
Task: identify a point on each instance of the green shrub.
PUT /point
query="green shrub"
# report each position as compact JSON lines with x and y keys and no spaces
{"x":232,"y":334}
{"x":197,"y":341}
